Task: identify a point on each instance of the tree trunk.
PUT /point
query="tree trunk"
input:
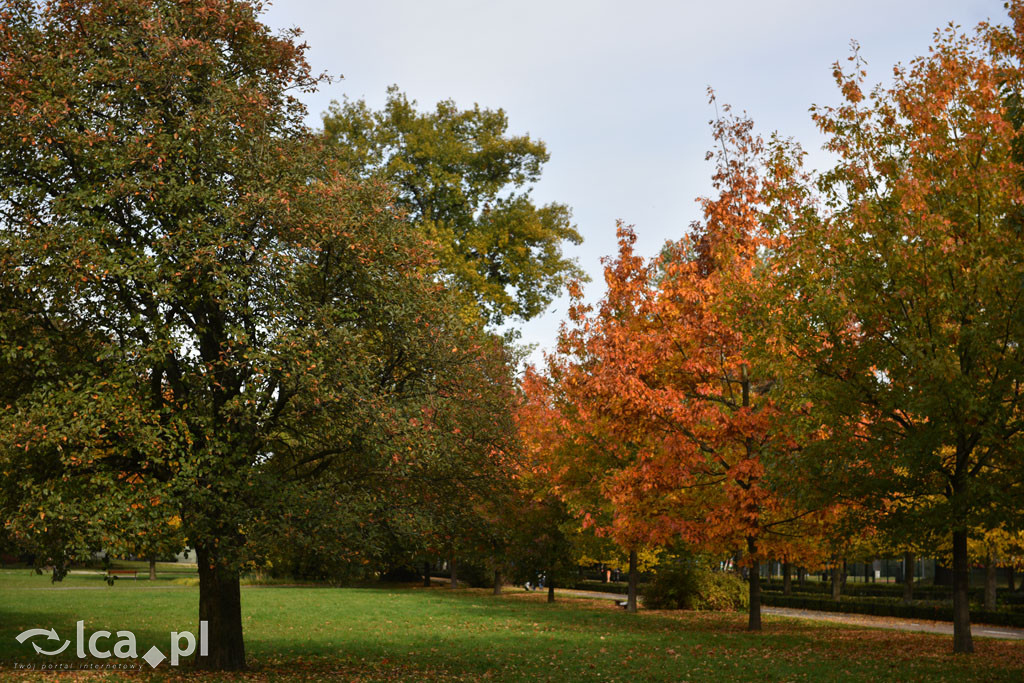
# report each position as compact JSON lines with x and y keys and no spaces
{"x":801,"y":576}
{"x":152,"y":569}
{"x":497,"y":582}
{"x":426,"y":573}
{"x":454,"y":583}
{"x":908,"y":576}
{"x":633,"y":576}
{"x":220,"y":605}
{"x":837,"y":581}
{"x":990,"y":582}
{"x":1010,"y":578}
{"x":787,"y":578}
{"x":844,"y":575}
{"x":962,"y":641}
{"x":551,"y":590}
{"x":754,"y":615}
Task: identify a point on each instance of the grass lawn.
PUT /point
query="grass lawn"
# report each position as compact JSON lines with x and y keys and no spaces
{"x":410,"y":633}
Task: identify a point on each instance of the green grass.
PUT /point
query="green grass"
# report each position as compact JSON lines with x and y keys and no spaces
{"x":437,"y":634}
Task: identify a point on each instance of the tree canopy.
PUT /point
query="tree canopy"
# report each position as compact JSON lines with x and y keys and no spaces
{"x":901,"y":295}
{"x":204,"y":309}
{"x":465,"y":183}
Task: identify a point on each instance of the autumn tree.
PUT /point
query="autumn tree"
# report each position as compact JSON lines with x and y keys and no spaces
{"x":545,"y":525}
{"x":575,"y":430}
{"x":465,"y":183}
{"x":214,"y":311}
{"x":991,"y":548}
{"x":548,"y":519}
{"x":902,"y":298}
{"x":662,"y":381}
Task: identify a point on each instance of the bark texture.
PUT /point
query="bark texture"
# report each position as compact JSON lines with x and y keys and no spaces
{"x":908,"y":576}
{"x":962,"y":641}
{"x":633,"y":578}
{"x":220,"y":605}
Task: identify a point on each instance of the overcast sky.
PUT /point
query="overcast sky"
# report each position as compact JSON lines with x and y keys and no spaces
{"x":617,"y":90}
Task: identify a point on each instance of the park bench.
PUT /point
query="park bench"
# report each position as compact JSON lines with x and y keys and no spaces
{"x":114,"y":573}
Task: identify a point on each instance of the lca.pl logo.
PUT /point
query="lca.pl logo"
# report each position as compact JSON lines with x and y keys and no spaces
{"x":183,"y":644}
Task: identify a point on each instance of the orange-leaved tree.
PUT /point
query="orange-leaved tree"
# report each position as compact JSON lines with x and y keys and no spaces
{"x":660,"y":381}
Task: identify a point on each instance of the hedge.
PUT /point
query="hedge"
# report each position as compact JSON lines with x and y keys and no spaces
{"x":889,"y":608}
{"x":895,"y":590}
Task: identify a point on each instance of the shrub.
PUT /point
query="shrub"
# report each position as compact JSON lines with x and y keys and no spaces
{"x":721,"y":591}
{"x":685,"y":582}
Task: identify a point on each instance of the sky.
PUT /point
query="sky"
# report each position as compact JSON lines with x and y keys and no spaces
{"x":616,"y":90}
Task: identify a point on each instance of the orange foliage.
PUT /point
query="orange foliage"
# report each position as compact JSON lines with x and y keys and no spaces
{"x":663,"y":421}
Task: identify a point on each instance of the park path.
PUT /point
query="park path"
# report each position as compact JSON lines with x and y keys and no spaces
{"x":508,"y":588}
{"x":920,"y":625}
{"x":589,"y":594}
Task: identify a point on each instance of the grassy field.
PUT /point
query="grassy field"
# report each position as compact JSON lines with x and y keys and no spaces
{"x":417,"y":634}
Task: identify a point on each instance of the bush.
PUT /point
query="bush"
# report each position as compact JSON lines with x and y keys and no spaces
{"x":674,"y":585}
{"x":682,"y":582}
{"x":723,"y":591}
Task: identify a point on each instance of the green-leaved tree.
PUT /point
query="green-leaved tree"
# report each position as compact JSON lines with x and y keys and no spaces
{"x":199,"y":308}
{"x":465,"y":183}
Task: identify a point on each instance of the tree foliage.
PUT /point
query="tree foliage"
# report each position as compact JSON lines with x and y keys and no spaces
{"x":465,"y":183}
{"x":202,"y":309}
{"x":662,"y":393}
{"x":901,"y":288}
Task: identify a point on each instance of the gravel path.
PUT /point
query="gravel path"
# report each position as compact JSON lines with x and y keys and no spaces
{"x":588,"y":594}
